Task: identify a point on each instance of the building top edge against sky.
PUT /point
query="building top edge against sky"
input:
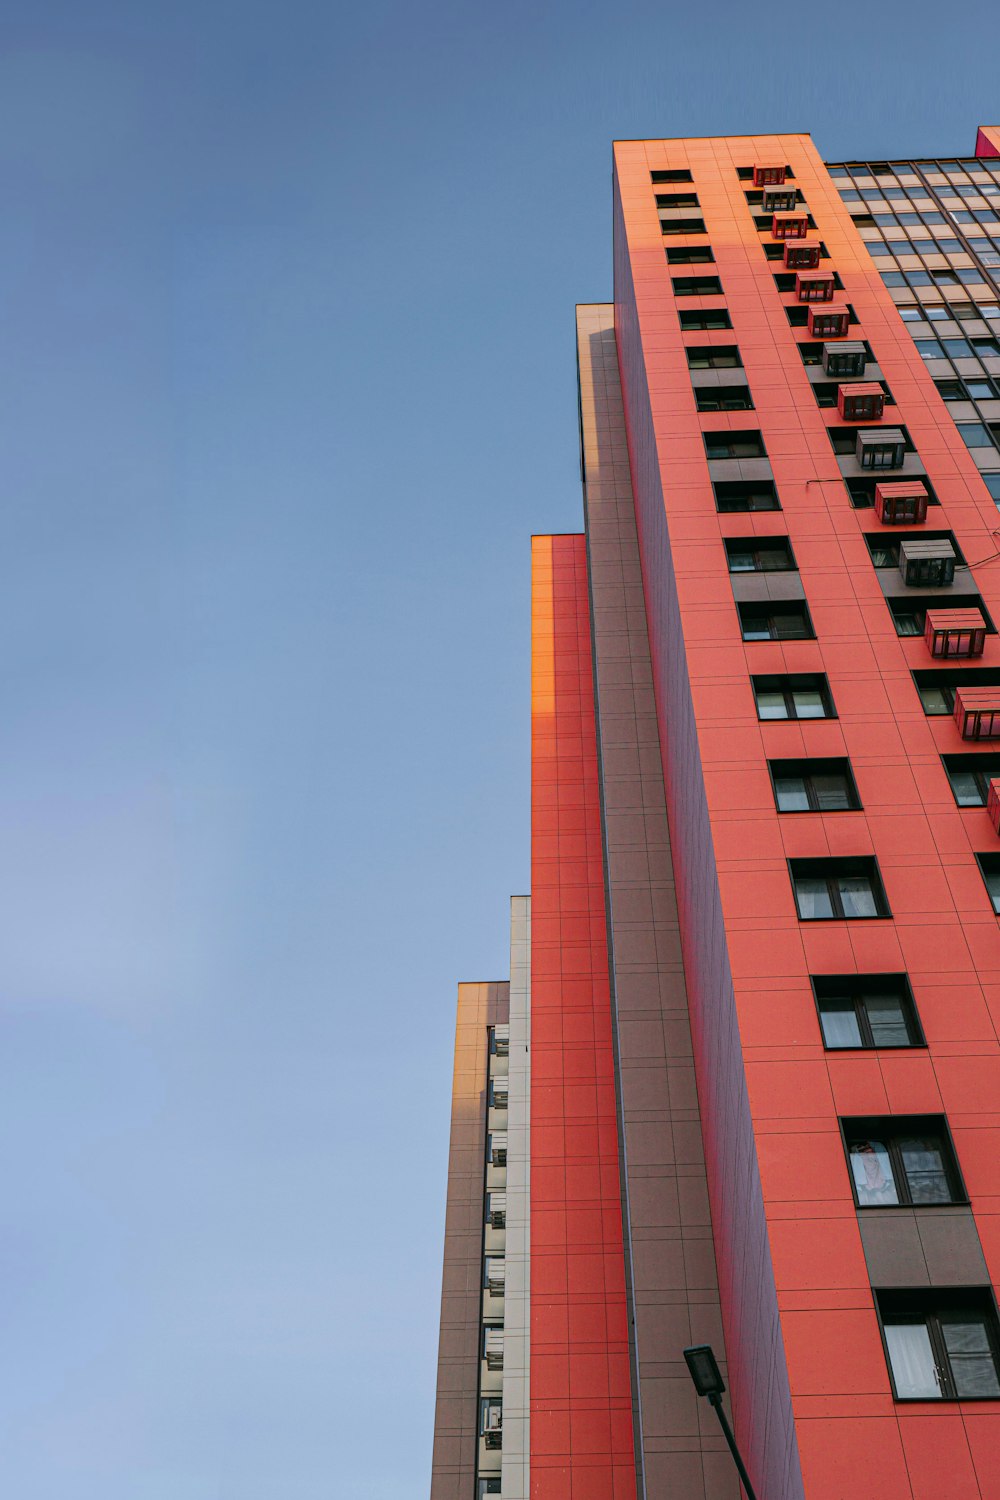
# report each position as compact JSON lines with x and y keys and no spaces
{"x":741,"y":1088}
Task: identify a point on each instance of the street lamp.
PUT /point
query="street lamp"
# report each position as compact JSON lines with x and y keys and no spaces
{"x":708,"y":1381}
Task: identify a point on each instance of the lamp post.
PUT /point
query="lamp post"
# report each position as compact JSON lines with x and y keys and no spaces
{"x":708,"y":1381}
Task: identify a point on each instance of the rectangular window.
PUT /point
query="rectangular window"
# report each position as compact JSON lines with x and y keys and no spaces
{"x":970,"y":777}
{"x":759,"y":554}
{"x":713,"y":357}
{"x":838,"y":889}
{"x":677,"y":200}
{"x":737,"y":495}
{"x":937,"y":688}
{"x":682,"y":226}
{"x":942,"y":1344}
{"x":814,"y":785}
{"x":974,"y":434}
{"x":690,"y":255}
{"x":866,"y":1010}
{"x":697,"y":286}
{"x":784,"y":620}
{"x":745,"y":444}
{"x":672,"y":174}
{"x":716,"y":317}
{"x":793,"y":695}
{"x":989,"y":868}
{"x":902,"y":1161}
{"x":723,"y":398}
{"x":909,"y":612}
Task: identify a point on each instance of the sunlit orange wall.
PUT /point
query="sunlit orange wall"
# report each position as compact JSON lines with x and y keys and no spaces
{"x":581,"y":1414}
{"x":761,"y":1060}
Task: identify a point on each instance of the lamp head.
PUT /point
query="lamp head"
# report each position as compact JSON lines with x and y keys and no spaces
{"x":704,"y":1370}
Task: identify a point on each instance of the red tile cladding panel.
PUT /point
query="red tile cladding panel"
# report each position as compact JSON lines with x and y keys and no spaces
{"x":793,"y":1277}
{"x":581,"y":1400}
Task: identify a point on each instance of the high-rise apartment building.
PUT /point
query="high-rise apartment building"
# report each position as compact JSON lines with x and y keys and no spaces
{"x":743,"y":1087}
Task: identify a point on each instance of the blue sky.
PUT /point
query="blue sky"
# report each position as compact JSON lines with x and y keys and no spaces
{"x":286,"y":381}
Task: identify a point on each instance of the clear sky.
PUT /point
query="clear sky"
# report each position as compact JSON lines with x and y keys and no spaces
{"x":286,"y":381}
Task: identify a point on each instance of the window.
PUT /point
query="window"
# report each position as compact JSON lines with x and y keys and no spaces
{"x":902,"y":1161}
{"x":938,"y":313}
{"x":776,"y":620}
{"x":713,"y":357}
{"x":880,"y":448}
{"x":723,"y":398}
{"x":941,"y":1344}
{"x":745,"y":444}
{"x":811,"y":354}
{"x":737,"y":495}
{"x":893,"y":278}
{"x":837,"y":889}
{"x":986,"y":347}
{"x":981,"y":390}
{"x":488,"y":1486}
{"x":677,"y":200}
{"x":714,"y":318}
{"x":950,"y":390}
{"x":682,"y":226}
{"x":992,"y":482}
{"x":759,"y":554}
{"x":866,"y":1010}
{"x":672,"y":174}
{"x":491,"y":1420}
{"x":970,"y":777}
{"x":937,"y":688}
{"x":928,"y":348}
{"x":989,"y":868}
{"x":814,"y":785}
{"x":794,"y":695}
{"x":974,"y":434}
{"x":910,"y":312}
{"x":694,"y":255}
{"x":697,"y":286}
{"x":957,"y":348}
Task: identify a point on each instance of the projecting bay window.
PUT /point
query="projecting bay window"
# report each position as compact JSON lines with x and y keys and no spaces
{"x":838,"y":889}
{"x":979,"y":690}
{"x":866,"y":1011}
{"x":902,"y":1162}
{"x":883,"y":448}
{"x":942,"y":1345}
{"x":794,"y":695}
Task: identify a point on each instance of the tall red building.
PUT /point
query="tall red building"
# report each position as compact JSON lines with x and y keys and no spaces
{"x":743,"y":1086}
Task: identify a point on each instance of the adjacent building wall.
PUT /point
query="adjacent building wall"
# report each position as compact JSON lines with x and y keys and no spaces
{"x":581,"y":1403}
{"x":456,"y":1415}
{"x":515,"y":1462}
{"x":670,"y":1259}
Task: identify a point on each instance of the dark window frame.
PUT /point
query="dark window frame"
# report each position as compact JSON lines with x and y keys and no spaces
{"x":807,"y":768}
{"x":982,"y":765}
{"x":934,"y":1307}
{"x":787,"y":683}
{"x":750,"y":438}
{"x":857,"y":988}
{"x":892,"y":1129}
{"x":729,"y":492}
{"x":756,"y":545}
{"x":830,"y":870}
{"x":989,"y":864}
{"x":771,"y":611}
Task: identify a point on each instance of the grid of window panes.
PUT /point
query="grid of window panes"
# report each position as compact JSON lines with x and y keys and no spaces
{"x":933,"y":229}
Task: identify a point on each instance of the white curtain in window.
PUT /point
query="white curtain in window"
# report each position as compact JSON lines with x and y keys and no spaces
{"x":857,"y":896}
{"x":840,"y":1026}
{"x":912,"y":1360}
{"x":813,"y":898}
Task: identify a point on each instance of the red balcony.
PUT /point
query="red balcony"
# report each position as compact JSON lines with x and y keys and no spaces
{"x":814,"y":286}
{"x":829,"y":322}
{"x":977,"y":713}
{"x":901,"y":504}
{"x":863,"y":402}
{"x":955,"y":632}
{"x":789,"y":226}
{"x":993,"y":803}
{"x":768,"y":174}
{"x":802,"y":255}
